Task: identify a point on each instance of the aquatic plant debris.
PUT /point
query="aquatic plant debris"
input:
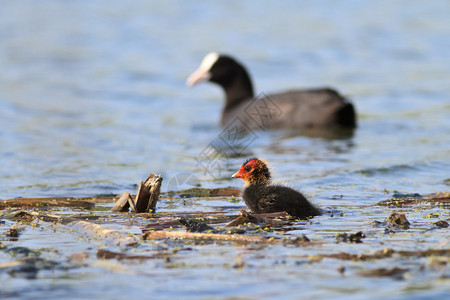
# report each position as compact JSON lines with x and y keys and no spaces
{"x":385,"y":272}
{"x":441,"y":224}
{"x":124,"y":203}
{"x":350,"y":238}
{"x":381,"y":254}
{"x":85,"y":227}
{"x":398,"y":220}
{"x":146,"y":197}
{"x":204,"y":192}
{"x":223,"y":238}
{"x":441,"y":199}
{"x":148,"y":193}
{"x":164,"y":234}
{"x":46,"y":202}
{"x":193,"y":226}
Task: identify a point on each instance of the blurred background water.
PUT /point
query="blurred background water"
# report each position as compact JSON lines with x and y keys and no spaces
{"x":93,"y":95}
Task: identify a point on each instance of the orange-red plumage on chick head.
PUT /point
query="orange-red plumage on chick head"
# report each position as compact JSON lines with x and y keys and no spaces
{"x":254,"y":170}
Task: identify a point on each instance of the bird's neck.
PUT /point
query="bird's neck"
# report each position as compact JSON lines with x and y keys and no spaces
{"x":238,"y":90}
{"x":257,"y":182}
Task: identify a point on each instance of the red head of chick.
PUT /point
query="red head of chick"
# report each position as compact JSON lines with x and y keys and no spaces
{"x":254,"y":170}
{"x":262,"y":196}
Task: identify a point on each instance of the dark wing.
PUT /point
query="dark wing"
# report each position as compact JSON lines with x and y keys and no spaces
{"x":297,"y":108}
{"x":267,"y":202}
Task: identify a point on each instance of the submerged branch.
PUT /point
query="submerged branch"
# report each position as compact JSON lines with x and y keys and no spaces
{"x":47,"y":202}
{"x":385,"y":253}
{"x":85,"y":227}
{"x":435,"y":199}
{"x":163,"y":234}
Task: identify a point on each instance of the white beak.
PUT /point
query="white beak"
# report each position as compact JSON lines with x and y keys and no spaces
{"x":235,"y":175}
{"x":198,"y":76}
{"x":203,"y":72}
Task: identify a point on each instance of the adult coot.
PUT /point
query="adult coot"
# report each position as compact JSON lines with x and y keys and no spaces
{"x":322,"y":107}
{"x":263,"y":196}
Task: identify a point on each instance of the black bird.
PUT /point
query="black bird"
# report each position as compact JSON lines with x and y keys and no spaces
{"x":322,"y":107}
{"x":263,"y":196}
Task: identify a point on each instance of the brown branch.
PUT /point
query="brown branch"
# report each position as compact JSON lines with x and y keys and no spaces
{"x":124,"y":202}
{"x":45,"y":202}
{"x":106,"y":254}
{"x":435,"y":199}
{"x":89,"y":228}
{"x":205,"y":192}
{"x":154,"y":184}
{"x":148,"y":193}
{"x":163,"y":234}
{"x":104,"y":233}
{"x":385,"y":253}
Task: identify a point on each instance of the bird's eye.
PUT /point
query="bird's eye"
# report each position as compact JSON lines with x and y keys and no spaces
{"x":247,"y":168}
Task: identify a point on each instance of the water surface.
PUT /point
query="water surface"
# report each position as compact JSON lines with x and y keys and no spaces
{"x":93,"y":99}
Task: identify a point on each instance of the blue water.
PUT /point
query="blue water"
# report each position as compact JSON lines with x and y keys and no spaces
{"x":93,"y":95}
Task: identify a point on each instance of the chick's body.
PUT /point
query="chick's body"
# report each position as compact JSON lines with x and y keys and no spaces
{"x":266,"y":198}
{"x":262,"y":196}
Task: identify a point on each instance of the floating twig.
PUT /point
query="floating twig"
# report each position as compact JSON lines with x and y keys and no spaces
{"x":124,"y":202}
{"x":435,"y":199}
{"x":89,"y":228}
{"x":106,"y":254}
{"x":164,"y":234}
{"x":104,"y":233}
{"x":45,"y":202}
{"x":205,"y":192}
{"x":385,"y":253}
{"x":146,"y":197}
{"x":148,"y":193}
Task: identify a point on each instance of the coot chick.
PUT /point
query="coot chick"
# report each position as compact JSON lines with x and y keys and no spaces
{"x":262,"y":196}
{"x":322,"y":107}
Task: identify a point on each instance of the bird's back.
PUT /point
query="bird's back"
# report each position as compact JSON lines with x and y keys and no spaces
{"x":293,"y":109}
{"x":265,"y":198}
